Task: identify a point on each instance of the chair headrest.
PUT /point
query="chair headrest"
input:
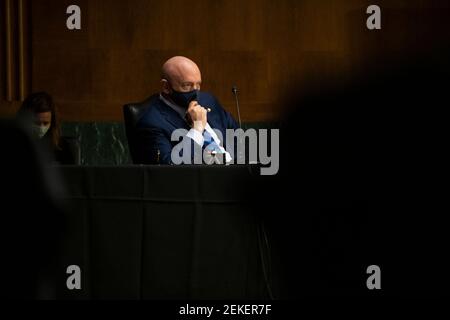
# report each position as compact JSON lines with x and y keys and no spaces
{"x":134,"y":111}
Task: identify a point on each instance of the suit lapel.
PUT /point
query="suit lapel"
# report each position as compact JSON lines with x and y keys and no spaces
{"x":172,"y":116}
{"x":214,"y":124}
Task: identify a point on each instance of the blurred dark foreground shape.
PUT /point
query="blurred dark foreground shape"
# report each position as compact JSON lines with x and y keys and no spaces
{"x":361,"y":183}
{"x":30,"y":216}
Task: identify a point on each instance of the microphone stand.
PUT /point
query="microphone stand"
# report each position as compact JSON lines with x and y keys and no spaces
{"x":235,"y":92}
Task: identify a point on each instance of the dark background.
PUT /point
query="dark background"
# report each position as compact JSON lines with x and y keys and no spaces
{"x":264,"y":47}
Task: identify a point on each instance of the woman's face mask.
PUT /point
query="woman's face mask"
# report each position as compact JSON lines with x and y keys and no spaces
{"x":39,"y":131}
{"x":42,"y":123}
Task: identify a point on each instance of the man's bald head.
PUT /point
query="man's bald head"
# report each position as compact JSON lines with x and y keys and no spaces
{"x":181,"y":74}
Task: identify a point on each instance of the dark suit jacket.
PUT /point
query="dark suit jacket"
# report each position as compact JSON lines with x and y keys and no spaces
{"x":154,"y":129}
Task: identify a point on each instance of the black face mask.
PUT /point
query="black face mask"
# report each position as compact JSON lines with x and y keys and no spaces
{"x":183,"y":99}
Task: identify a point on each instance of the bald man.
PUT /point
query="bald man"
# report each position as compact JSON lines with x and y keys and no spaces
{"x":181,"y":105}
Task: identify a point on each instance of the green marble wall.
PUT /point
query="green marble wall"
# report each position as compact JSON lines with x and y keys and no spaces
{"x":104,"y":144}
{"x":101,"y":143}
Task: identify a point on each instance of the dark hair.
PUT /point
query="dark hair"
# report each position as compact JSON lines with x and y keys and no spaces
{"x":40,"y":102}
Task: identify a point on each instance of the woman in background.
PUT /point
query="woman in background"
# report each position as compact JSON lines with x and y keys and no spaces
{"x":38,"y":110}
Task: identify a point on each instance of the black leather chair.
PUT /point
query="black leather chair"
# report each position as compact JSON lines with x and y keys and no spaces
{"x":132,"y":113}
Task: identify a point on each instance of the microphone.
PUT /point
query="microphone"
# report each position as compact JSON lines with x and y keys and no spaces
{"x":235,"y":92}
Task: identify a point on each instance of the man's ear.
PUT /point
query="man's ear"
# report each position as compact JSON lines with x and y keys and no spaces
{"x":165,"y":87}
